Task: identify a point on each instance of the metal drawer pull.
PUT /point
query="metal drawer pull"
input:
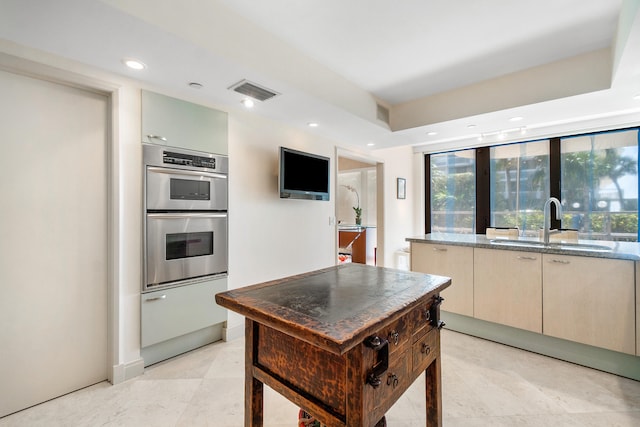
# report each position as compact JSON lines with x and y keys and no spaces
{"x":161,"y":138}
{"x":527,"y":258}
{"x":392,"y":379}
{"x":394,"y":337}
{"x":560,"y":261}
{"x":440,"y":249}
{"x":426,"y":349}
{"x":434,"y":314}
{"x":381,"y":346}
{"x":156,"y":298}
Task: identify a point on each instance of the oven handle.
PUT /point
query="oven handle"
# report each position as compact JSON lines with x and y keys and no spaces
{"x":182,"y":215}
{"x":168,"y":171}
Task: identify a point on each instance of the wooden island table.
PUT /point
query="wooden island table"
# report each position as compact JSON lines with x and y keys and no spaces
{"x":343,"y":343}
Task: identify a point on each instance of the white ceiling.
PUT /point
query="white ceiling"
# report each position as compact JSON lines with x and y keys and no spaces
{"x":409,"y":49}
{"x":438,"y":66}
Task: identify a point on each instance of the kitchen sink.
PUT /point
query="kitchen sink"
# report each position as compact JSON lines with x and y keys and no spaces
{"x":585,"y":247}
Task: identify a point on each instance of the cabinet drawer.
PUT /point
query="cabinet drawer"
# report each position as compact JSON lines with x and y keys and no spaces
{"x":399,"y":332}
{"x":425,"y":349}
{"x":169,"y":313}
{"x":394,"y":382}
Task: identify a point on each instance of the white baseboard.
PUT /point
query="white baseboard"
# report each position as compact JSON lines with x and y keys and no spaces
{"x":232,"y":333}
{"x":126,"y":371}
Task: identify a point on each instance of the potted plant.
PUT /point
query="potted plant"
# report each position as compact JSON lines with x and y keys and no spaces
{"x":357,"y":209}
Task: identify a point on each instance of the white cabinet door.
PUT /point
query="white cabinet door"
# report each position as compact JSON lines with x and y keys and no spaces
{"x":590,"y":300}
{"x":177,"y":123}
{"x":173,"y":312}
{"x":451,"y":261}
{"x":508,"y":288}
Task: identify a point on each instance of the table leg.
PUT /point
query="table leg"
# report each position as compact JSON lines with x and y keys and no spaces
{"x":253,"y":389}
{"x":433,"y":386}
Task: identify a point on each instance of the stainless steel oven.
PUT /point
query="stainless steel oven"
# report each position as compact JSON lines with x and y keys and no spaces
{"x":186,"y":218}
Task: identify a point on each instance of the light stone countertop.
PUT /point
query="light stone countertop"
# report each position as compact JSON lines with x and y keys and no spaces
{"x":589,"y":248}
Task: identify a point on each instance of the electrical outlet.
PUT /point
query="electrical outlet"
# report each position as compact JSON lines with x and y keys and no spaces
{"x":332,"y":220}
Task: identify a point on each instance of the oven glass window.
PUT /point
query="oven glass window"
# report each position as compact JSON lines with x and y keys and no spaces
{"x":186,"y":245}
{"x":189,"y":189}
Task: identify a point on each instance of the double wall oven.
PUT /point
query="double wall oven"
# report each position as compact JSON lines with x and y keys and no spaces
{"x":185,"y":225}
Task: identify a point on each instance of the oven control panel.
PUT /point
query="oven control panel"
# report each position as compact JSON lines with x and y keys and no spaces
{"x":181,"y":158}
{"x":188,"y":160}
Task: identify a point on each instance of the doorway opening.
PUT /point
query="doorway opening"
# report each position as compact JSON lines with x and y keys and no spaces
{"x":359,"y":210}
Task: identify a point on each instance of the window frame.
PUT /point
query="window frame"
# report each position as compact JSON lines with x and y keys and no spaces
{"x":483,"y":179}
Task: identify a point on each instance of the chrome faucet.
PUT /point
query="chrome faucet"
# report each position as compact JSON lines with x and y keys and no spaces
{"x":546,"y":231}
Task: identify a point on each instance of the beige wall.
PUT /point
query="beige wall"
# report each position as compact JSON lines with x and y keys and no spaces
{"x":272,"y":237}
{"x":400,"y":214}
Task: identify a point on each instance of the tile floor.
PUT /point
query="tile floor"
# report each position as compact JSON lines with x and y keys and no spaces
{"x":484,"y":384}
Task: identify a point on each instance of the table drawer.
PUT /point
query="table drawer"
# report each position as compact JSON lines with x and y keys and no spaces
{"x":398,"y":333}
{"x":395,"y":381}
{"x":425,"y":349}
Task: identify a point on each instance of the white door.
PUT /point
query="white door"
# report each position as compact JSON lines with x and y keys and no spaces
{"x":53,"y":240}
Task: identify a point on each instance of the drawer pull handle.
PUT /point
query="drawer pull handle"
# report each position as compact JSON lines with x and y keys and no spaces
{"x":381,"y":346}
{"x":527,"y":258}
{"x":560,"y":261}
{"x":161,"y":138}
{"x":426,"y":349}
{"x":394,"y":337}
{"x":433,"y":316}
{"x":156,"y":298}
{"x":392,"y":379}
{"x":440,"y":249}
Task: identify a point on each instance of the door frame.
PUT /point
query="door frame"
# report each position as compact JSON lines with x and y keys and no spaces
{"x":36,"y":70}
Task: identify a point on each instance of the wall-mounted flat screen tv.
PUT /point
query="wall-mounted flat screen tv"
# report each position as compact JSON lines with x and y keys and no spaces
{"x":303,"y":175}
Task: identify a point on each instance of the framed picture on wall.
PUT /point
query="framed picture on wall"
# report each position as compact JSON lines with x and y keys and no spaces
{"x":402,"y":188}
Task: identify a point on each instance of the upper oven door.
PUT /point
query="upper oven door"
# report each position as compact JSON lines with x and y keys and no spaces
{"x":177,"y":189}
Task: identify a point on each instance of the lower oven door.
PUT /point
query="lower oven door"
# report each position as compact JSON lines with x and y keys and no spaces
{"x":183,"y":246}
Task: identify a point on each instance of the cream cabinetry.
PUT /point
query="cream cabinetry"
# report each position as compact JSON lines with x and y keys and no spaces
{"x":177,"y":123}
{"x":451,"y":261}
{"x":508,"y":288}
{"x":590,"y":301}
{"x":583,"y":299}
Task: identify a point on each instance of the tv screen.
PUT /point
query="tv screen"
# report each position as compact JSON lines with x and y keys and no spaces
{"x":303,"y":175}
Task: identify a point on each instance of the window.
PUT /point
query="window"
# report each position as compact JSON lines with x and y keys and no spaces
{"x":599,"y":185}
{"x":453,"y":192}
{"x":595,"y":176}
{"x":519,"y":183}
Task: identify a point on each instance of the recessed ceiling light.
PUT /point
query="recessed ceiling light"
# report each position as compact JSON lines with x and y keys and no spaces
{"x":195,"y":85}
{"x":471,"y":126}
{"x":523,"y":130}
{"x":134,"y":64}
{"x":516,"y":119}
{"x":432,"y":133}
{"x":248,"y":103}
{"x":312,"y":124}
{"x":637,"y":97}
{"x":370,"y":144}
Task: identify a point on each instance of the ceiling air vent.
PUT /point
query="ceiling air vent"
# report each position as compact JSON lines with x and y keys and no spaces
{"x":383,"y":113}
{"x":253,"y":90}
